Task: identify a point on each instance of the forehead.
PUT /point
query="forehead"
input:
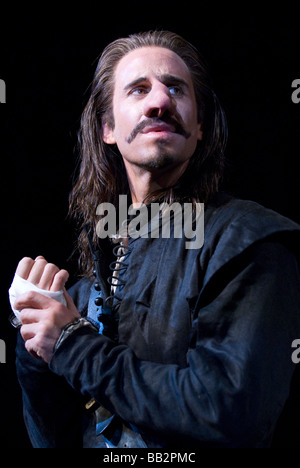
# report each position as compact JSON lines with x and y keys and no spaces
{"x":150,"y":62}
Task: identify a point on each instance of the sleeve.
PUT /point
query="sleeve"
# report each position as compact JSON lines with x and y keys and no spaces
{"x":53,"y":411}
{"x":51,"y":408}
{"x":239,"y":365}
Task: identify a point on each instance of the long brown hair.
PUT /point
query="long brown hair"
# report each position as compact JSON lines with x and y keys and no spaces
{"x":102,"y":176}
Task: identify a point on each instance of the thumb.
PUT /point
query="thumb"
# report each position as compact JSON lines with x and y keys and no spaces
{"x":69,"y":300}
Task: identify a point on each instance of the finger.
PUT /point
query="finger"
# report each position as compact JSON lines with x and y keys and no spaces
{"x":39,"y":257}
{"x":24,"y":267}
{"x":37,"y":270}
{"x":32,"y":300}
{"x":28,"y":315}
{"x":59,"y":280}
{"x":28,"y":331}
{"x":32,"y":349}
{"x":48,"y":275}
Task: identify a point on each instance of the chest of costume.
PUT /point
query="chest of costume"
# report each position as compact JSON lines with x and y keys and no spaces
{"x":154,"y":297}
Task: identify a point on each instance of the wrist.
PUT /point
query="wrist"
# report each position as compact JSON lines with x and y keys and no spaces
{"x":71,"y":327}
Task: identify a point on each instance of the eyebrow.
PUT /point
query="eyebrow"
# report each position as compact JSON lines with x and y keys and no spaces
{"x":133,"y":83}
{"x":166,"y":78}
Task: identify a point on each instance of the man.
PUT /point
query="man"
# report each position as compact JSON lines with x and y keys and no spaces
{"x":183,"y":347}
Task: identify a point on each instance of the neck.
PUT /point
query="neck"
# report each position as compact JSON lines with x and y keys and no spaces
{"x":144,"y":182}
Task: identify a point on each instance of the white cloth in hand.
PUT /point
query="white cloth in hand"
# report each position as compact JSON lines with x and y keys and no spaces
{"x":21,"y":286}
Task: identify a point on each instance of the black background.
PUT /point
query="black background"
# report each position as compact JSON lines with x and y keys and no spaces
{"x":48,"y":57}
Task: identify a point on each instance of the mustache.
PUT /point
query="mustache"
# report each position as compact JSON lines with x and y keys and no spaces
{"x":177,"y":126}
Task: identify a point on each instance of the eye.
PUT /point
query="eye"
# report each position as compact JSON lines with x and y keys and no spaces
{"x":175,"y":90}
{"x":139,"y":91}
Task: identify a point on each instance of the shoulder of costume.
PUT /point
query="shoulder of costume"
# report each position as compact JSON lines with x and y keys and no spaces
{"x":233,"y":225}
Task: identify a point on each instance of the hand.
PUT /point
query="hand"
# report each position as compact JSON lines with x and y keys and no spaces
{"x":43,"y":274}
{"x":43,"y":318}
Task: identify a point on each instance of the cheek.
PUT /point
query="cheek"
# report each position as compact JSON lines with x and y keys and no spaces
{"x":124,"y":124}
{"x":189,"y":114}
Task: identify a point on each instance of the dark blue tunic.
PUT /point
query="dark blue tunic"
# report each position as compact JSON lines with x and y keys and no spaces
{"x":203,"y":357}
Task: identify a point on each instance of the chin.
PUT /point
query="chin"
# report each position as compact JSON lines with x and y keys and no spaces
{"x":159,"y":162}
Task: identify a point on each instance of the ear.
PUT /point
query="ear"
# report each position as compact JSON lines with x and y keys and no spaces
{"x":199,"y":132}
{"x":108,"y":134}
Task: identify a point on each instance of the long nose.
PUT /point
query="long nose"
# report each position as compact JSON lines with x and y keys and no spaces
{"x":158,"y":101}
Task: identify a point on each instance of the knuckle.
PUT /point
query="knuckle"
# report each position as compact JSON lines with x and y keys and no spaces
{"x":59,"y":308}
{"x":43,"y":329}
{"x":62,"y":274}
{"x":23,"y":315}
{"x":25,"y":261}
{"x":51,"y":266}
{"x":29,"y":296}
{"x":55,"y":310}
{"x":40,"y":259}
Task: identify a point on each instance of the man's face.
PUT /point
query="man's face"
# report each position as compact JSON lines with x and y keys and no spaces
{"x":154,"y":110}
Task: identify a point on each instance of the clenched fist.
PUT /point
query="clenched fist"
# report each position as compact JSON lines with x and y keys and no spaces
{"x":43,"y":318}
